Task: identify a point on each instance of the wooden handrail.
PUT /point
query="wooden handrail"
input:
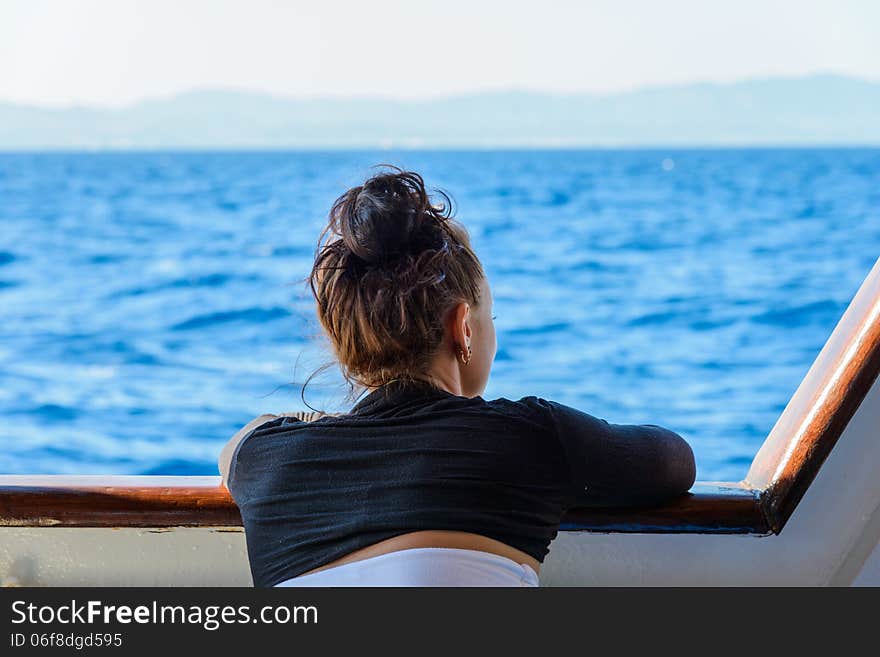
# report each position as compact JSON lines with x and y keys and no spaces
{"x":821,"y":407}
{"x":780,"y":474}
{"x":709,"y":508}
{"x":101,"y":501}
{"x":115,"y":501}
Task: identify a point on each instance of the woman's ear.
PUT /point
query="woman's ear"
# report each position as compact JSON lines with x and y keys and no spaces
{"x":461,"y":328}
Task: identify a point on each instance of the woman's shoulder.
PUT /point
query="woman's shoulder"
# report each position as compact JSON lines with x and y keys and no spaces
{"x":529,"y":402}
{"x":293,"y":420}
{"x":555,"y":415}
{"x":529,"y":407}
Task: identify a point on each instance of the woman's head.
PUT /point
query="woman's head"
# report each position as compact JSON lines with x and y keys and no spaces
{"x":399,"y":290}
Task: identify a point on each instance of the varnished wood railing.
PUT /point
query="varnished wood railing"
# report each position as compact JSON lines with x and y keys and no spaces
{"x":821,"y":408}
{"x":101,"y":501}
{"x":780,"y":474}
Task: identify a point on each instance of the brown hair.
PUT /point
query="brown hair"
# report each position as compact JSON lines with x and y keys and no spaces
{"x":388,"y":267}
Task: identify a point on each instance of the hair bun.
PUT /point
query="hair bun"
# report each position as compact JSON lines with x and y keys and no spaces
{"x":390,"y":216}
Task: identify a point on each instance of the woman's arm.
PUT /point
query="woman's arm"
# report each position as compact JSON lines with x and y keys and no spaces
{"x":224,"y":462}
{"x":622,"y":464}
{"x":225,"y":459}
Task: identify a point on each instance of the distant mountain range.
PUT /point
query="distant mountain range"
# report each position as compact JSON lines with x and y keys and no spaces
{"x":812,"y":110}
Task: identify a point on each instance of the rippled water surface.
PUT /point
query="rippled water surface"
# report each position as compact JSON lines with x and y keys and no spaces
{"x":153,"y":303}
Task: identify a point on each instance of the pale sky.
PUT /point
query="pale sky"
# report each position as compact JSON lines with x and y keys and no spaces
{"x":115,"y":52}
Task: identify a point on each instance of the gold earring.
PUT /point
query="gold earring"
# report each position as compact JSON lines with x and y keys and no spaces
{"x":461,"y":354}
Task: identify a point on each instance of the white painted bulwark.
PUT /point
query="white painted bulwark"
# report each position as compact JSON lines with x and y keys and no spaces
{"x":127,"y":556}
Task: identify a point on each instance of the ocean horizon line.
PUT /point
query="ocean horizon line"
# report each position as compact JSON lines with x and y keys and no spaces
{"x":575,"y":148}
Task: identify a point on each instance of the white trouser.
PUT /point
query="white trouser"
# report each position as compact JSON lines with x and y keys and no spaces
{"x":424,"y":567}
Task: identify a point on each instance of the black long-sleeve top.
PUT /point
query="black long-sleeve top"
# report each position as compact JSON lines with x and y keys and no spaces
{"x":410,"y":457}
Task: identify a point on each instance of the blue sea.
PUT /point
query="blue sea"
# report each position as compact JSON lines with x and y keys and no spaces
{"x":153,"y":303}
